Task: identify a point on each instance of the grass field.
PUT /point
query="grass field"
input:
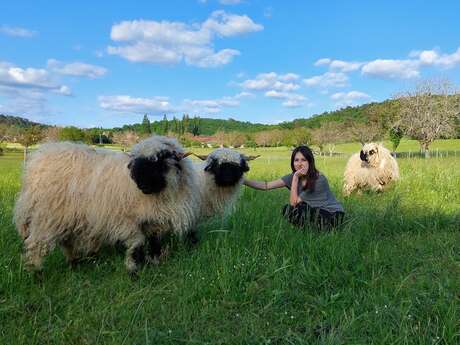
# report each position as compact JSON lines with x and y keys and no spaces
{"x":390,"y":276}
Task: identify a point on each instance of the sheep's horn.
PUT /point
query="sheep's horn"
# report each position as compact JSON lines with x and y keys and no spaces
{"x":186,"y":154}
{"x":250,"y":158}
{"x":202,"y":157}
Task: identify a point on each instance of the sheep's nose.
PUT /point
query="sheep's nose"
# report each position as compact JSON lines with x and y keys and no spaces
{"x":363,"y":156}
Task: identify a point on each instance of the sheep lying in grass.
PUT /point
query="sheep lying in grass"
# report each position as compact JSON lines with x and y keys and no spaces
{"x":373,"y":168}
{"x":81,"y":198}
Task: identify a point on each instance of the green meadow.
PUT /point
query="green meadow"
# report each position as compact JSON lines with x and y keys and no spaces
{"x":389,"y":275}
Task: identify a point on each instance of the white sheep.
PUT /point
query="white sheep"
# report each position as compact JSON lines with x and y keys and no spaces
{"x":81,"y":198}
{"x":220,"y":179}
{"x":373,"y":168}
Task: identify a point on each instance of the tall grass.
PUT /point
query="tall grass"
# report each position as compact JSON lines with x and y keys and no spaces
{"x":391,"y":275}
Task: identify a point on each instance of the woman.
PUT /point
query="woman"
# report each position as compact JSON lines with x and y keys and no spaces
{"x":311,"y":200}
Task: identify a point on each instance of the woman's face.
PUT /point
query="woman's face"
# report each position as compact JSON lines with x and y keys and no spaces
{"x":300,"y":162}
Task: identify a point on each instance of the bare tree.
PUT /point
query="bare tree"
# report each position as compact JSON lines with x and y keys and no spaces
{"x":125,"y":139}
{"x":366,"y":132}
{"x":28,"y":137}
{"x":429,"y":111}
{"x":52,"y":133}
{"x":328,"y":135}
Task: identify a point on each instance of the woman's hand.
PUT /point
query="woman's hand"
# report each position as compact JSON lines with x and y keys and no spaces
{"x":301,"y":172}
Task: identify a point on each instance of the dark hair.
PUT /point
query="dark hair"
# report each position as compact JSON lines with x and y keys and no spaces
{"x":313,"y":173}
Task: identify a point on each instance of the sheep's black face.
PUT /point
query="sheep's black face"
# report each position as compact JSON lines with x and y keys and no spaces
{"x":363,"y":156}
{"x":227,"y":174}
{"x":149,"y":173}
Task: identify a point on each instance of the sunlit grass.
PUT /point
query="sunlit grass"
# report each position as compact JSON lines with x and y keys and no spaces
{"x":390,"y":276}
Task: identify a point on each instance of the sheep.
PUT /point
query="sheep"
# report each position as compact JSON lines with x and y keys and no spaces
{"x":220,"y":179}
{"x":81,"y":198}
{"x":373,"y":168}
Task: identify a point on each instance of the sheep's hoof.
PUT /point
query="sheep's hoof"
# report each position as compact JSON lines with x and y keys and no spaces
{"x":152,"y":260}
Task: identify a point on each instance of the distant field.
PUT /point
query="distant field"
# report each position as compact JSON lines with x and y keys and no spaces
{"x":390,"y":276}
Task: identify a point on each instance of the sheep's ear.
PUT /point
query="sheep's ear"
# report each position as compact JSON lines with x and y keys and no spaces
{"x":212,"y":164}
{"x":202,"y":157}
{"x":250,"y":158}
{"x":244,"y":165}
{"x":186,"y":154}
{"x":148,"y":174}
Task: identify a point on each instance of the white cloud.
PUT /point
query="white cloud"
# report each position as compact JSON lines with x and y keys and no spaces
{"x":172,"y":42}
{"x":128,"y":104}
{"x":291,"y":100}
{"x":213,"y":106}
{"x":339,"y":65}
{"x":26,"y":89}
{"x":271,"y":81}
{"x":350,"y":98}
{"x":435,"y":58}
{"x":392,"y":69}
{"x":328,"y":79}
{"x":29,"y":78}
{"x":228,"y":25}
{"x":78,"y":69}
{"x":322,"y":62}
{"x":17,"y":31}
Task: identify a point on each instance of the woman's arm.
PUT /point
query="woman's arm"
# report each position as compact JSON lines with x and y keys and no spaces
{"x":294,"y":198}
{"x":264,"y":185}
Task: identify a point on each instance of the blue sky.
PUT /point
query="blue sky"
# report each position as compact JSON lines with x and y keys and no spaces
{"x":97,"y":63}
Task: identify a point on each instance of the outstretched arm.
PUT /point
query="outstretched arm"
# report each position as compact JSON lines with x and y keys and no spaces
{"x":264,"y":185}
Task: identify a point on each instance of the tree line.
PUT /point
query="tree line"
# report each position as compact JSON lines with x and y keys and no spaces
{"x":429,"y":111}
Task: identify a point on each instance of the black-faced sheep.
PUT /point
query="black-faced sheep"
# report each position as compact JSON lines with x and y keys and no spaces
{"x":220,"y":177}
{"x":373,"y":168}
{"x":81,"y":198}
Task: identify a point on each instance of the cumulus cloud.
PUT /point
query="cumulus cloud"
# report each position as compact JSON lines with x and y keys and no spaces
{"x":29,"y":78}
{"x":26,"y":90}
{"x":339,"y":65}
{"x":328,"y":79}
{"x":350,"y":98}
{"x":272,"y":81}
{"x":392,"y":69}
{"x":435,"y":58}
{"x":291,"y":100}
{"x":128,"y":104}
{"x":78,"y":69}
{"x":172,"y":42}
{"x":213,"y":106}
{"x":17,"y":31}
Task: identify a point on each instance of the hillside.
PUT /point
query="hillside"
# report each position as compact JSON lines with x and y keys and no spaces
{"x":17,"y":121}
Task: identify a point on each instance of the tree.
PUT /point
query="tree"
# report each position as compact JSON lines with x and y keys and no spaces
{"x":395,"y":133}
{"x":164,"y":125}
{"x":125,"y":139}
{"x":196,"y":126}
{"x":28,"y":137}
{"x":4,"y":136}
{"x":329,"y":134}
{"x":429,"y":112}
{"x":365,"y":132}
{"x":72,"y":133}
{"x":52,"y":133}
{"x":146,"y":129}
{"x":297,"y":136}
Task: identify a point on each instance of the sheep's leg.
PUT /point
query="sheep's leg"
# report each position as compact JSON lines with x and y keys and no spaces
{"x":347,"y":189}
{"x":154,"y":244}
{"x":35,"y":249}
{"x":192,"y":238}
{"x":69,"y":252}
{"x":135,"y":253}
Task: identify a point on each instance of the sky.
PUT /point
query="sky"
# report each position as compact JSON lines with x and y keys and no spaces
{"x":106,"y":64}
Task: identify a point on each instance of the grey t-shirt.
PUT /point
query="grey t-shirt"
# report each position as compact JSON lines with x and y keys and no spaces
{"x":321,"y":197}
